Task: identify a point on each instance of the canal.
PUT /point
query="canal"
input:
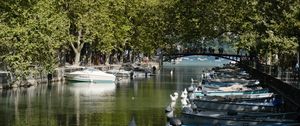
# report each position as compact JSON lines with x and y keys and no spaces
{"x":141,"y":99}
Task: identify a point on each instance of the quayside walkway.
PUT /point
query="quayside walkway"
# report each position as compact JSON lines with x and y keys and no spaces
{"x":284,"y":81}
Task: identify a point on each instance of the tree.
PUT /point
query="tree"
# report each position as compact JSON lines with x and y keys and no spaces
{"x":82,"y":17}
{"x":30,"y":34}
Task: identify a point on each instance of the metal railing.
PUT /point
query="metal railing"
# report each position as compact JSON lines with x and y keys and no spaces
{"x":289,"y":75}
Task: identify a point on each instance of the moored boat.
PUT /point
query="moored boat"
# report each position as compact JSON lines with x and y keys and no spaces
{"x":250,"y":93}
{"x":232,"y":119}
{"x":237,"y":106}
{"x":120,"y":72}
{"x":90,"y":75}
{"x":191,"y":115}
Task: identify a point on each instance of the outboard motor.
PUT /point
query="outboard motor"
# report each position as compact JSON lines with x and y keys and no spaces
{"x":190,"y":89}
{"x":194,"y":107}
{"x":187,"y":110}
{"x":175,"y":122}
{"x":169,"y":112}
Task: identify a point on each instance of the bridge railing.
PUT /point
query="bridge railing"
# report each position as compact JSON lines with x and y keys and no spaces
{"x":200,"y":50}
{"x":209,"y":52}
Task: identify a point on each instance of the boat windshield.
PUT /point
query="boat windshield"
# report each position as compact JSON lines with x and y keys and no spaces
{"x":91,"y":69}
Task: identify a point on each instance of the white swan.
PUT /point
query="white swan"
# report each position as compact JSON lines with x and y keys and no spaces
{"x":173,"y":100}
{"x":184,"y":100}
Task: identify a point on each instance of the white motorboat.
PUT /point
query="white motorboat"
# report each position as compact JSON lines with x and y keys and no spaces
{"x":91,"y":75}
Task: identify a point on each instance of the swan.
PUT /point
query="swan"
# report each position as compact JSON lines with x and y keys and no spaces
{"x":173,"y":100}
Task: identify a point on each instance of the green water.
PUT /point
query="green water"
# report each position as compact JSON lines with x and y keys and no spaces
{"x":142,"y":100}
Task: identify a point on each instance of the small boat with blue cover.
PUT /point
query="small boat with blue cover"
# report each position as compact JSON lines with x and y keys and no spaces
{"x":250,"y":93}
{"x":268,"y":105}
{"x":215,"y":118}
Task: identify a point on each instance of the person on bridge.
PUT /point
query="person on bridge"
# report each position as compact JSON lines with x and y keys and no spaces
{"x":221,"y":50}
{"x":297,"y":70}
{"x":238,"y":51}
{"x":297,"y":67}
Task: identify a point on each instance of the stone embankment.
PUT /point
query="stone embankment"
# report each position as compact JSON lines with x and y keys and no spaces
{"x":58,"y":75}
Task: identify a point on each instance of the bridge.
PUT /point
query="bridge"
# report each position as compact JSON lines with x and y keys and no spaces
{"x":233,"y":57}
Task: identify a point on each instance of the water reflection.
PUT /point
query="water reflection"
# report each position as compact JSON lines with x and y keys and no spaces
{"x":92,"y":98}
{"x":142,"y":100}
{"x":91,"y":89}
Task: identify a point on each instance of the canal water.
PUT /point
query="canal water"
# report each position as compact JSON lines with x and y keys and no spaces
{"x":140,"y":101}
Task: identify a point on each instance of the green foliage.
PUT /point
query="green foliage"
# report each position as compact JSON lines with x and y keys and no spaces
{"x":268,"y":28}
{"x":33,"y":31}
{"x":30,"y":36}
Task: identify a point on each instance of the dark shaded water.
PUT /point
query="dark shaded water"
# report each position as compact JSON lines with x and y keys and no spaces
{"x":141,"y":99}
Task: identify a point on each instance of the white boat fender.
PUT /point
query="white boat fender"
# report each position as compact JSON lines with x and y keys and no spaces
{"x":257,"y":82}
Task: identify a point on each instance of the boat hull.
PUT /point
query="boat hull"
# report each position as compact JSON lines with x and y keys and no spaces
{"x":89,"y":78}
{"x":235,"y":106}
{"x":90,"y":75}
{"x":239,"y":94}
{"x":205,"y":120}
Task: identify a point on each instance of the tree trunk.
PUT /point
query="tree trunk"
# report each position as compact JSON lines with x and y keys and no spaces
{"x":90,"y":59}
{"x":132,"y":57}
{"x":77,"y":58}
{"x":107,"y":59}
{"x":121,"y":58}
{"x":128,"y":56}
{"x":77,"y":49}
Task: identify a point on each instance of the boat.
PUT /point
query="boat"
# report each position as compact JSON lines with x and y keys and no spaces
{"x":232,"y":98}
{"x":230,"y":81}
{"x":249,"y":93}
{"x":138,"y":70}
{"x":230,"y":87}
{"x":141,"y":71}
{"x":120,"y":72}
{"x":90,"y":75}
{"x":238,"y":105}
{"x":191,"y":115}
{"x":215,"y":118}
{"x":202,"y":59}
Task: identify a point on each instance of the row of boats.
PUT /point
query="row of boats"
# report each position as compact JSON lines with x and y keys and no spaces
{"x":97,"y":76}
{"x":228,"y":96}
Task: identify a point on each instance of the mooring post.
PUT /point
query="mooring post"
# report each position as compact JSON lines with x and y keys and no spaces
{"x":160,"y":59}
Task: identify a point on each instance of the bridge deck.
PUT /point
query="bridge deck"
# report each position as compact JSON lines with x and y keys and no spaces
{"x":233,"y":57}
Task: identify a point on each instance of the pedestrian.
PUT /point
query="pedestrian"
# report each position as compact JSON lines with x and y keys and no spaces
{"x":153,"y":69}
{"x":49,"y":77}
{"x":297,"y":70}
